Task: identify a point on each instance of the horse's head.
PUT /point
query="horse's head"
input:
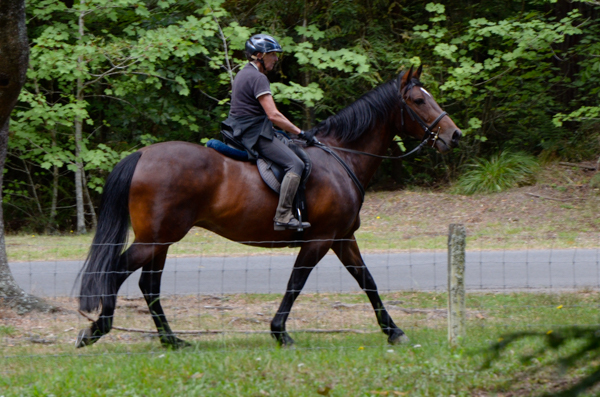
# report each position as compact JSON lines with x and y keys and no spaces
{"x":422,"y":117}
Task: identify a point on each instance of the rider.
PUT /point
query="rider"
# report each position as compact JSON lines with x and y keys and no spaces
{"x":252,"y":115}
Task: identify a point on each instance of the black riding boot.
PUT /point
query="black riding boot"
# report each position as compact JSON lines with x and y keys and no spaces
{"x":284,"y":218}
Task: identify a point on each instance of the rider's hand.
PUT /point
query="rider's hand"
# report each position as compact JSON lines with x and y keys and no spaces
{"x":308,"y":137}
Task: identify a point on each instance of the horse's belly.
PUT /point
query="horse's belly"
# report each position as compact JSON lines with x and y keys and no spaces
{"x":246,"y":217}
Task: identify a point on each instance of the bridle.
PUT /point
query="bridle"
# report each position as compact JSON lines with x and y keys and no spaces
{"x":429,"y":138}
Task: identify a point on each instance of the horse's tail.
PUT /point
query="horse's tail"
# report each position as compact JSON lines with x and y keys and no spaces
{"x":101,"y":268}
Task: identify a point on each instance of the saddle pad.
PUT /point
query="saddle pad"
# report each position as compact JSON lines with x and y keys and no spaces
{"x":227,"y":150}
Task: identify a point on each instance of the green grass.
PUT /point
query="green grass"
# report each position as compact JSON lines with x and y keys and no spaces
{"x":7,"y":330}
{"x":251,"y":367}
{"x":325,"y":364}
{"x":348,"y":365}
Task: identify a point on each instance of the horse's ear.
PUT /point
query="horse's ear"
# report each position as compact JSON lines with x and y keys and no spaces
{"x":404,"y":79}
{"x":417,"y":75}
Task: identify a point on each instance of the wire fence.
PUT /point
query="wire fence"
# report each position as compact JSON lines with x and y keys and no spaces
{"x":215,"y":290}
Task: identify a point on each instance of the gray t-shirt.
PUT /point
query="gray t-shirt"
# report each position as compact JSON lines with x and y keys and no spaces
{"x":248,"y":85}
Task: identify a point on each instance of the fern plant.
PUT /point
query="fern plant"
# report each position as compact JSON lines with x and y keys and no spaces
{"x":501,"y":172}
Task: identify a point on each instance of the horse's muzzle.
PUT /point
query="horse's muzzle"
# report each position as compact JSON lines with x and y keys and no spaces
{"x":445,"y":145}
{"x":455,"y":138}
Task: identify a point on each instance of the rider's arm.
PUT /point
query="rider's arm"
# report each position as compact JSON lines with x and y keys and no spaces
{"x":275,"y":115}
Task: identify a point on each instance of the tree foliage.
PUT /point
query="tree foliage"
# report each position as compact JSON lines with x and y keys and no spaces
{"x":513,"y":75}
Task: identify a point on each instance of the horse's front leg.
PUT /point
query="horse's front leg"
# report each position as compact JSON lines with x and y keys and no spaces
{"x":349,"y":255}
{"x":310,"y":254}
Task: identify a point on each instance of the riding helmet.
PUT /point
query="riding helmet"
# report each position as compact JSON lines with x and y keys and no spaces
{"x":261,"y":43}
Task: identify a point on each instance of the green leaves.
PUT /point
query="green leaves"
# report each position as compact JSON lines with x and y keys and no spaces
{"x":308,"y":95}
{"x":583,"y":113}
{"x":108,"y":64}
{"x":505,"y":74}
{"x":344,"y":60}
{"x":474,"y":128}
{"x":515,"y":42}
{"x":446,"y":50}
{"x":438,"y":9}
{"x":311,"y":31}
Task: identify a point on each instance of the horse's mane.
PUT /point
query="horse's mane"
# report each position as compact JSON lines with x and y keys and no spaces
{"x":361,"y":116}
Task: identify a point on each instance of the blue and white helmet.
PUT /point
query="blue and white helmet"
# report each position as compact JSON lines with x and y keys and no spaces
{"x":261,"y":43}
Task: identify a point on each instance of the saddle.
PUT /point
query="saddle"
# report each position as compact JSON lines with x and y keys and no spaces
{"x":271,"y":173}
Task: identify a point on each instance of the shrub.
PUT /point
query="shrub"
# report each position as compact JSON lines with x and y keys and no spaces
{"x":501,"y":172}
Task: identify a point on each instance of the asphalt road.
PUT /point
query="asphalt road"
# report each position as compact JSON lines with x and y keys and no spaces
{"x":425,"y":271}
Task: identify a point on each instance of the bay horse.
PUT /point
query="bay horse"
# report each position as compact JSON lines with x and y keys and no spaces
{"x":165,"y":189}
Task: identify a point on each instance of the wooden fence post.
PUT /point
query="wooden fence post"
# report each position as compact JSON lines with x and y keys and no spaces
{"x":456,"y":284}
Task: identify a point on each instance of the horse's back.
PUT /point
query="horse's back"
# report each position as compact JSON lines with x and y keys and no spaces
{"x":178,"y":154}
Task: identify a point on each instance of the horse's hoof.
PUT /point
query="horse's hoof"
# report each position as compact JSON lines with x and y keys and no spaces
{"x":85,"y":338}
{"x":288,"y":343}
{"x":175,"y":343}
{"x":398,"y":339}
{"x":283,"y":339}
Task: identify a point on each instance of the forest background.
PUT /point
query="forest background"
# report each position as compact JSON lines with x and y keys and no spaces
{"x":107,"y":77}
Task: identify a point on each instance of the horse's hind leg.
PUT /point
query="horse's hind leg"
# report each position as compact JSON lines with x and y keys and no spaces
{"x":310,"y":254}
{"x":150,"y":286}
{"x":349,"y":255}
{"x":136,"y":256}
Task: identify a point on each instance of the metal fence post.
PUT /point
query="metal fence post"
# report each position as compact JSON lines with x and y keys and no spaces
{"x":456,"y":284}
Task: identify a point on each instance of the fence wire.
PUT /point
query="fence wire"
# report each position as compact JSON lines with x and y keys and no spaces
{"x":213,"y":291}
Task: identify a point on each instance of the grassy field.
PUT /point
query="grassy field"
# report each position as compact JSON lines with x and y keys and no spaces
{"x":38,"y":358}
{"x":200,"y":242}
{"x":349,"y":356}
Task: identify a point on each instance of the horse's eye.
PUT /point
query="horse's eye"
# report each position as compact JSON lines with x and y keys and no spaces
{"x":420,"y":101}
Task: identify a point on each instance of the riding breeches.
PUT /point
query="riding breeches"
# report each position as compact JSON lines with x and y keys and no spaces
{"x":279,"y":153}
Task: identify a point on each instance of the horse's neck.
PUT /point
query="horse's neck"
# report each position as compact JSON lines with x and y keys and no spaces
{"x":375,"y":142}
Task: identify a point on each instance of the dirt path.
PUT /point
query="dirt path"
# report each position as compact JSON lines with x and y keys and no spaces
{"x":562,"y":202}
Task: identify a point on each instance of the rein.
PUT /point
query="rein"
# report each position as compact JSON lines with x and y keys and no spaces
{"x":416,"y":149}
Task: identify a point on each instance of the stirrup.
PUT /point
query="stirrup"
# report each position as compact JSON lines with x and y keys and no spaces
{"x":292,"y":224}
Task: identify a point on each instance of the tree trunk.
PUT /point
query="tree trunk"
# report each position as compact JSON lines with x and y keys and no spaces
{"x":34,"y":194}
{"x":79,"y":178}
{"x":51,"y":223}
{"x":309,"y":112}
{"x":14,"y":59}
{"x":78,"y":139}
{"x":90,"y":203}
